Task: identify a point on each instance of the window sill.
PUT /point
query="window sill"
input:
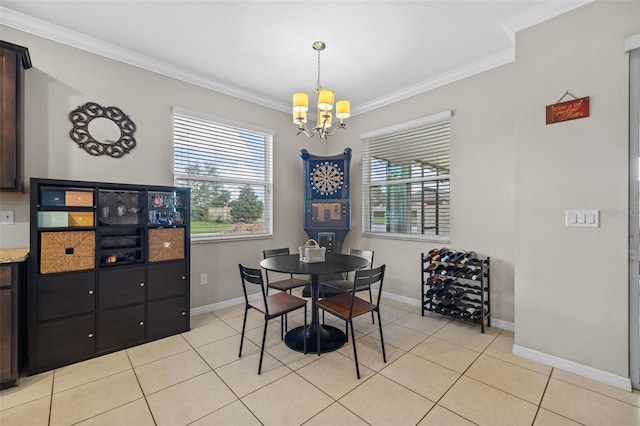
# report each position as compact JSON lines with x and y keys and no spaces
{"x":408,"y":237}
{"x":195,"y":239}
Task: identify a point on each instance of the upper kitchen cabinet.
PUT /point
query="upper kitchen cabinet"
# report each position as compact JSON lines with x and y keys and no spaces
{"x":14,"y":60}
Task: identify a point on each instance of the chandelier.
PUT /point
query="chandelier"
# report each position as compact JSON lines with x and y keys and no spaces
{"x":324,"y":107}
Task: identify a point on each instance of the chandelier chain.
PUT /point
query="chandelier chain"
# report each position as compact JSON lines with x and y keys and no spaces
{"x":318,"y":85}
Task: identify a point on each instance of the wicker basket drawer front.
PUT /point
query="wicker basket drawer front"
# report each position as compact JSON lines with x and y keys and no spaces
{"x":166,"y":244}
{"x":64,"y":295}
{"x":67,"y":251}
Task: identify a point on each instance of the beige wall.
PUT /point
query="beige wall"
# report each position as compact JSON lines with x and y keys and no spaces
{"x":571,"y":292}
{"x":63,"y":78}
{"x":482,"y":181}
{"x":513,"y":177}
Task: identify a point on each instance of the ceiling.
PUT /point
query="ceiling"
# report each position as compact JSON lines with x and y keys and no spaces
{"x":377,"y":51}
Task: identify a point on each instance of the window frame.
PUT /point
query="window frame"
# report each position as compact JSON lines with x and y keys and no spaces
{"x":268,"y":136}
{"x":366,"y":139}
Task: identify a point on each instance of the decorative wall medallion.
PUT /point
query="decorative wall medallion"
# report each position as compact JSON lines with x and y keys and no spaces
{"x":102,"y":130}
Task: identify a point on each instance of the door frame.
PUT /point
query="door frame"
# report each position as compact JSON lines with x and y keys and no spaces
{"x":632,"y":47}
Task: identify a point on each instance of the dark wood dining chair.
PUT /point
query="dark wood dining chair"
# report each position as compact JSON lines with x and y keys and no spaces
{"x":287,"y":284}
{"x":346,"y":283}
{"x":271,"y":307}
{"x":348,"y":305}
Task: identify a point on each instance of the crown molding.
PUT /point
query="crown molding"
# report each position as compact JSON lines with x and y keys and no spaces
{"x":539,"y":14}
{"x":61,"y":35}
{"x":74,"y":39}
{"x":468,"y":70}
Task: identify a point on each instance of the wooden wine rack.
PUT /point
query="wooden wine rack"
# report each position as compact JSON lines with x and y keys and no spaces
{"x":457,"y":290}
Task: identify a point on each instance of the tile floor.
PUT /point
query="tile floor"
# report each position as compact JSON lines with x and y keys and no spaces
{"x":438,"y":372}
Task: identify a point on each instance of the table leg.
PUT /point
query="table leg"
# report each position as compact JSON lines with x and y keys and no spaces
{"x":331,"y":338}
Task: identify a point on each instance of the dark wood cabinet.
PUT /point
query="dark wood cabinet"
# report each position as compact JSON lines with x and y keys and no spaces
{"x":12,"y":332}
{"x":167,"y":317}
{"x":64,"y":341}
{"x":120,"y":328}
{"x":167,"y":279}
{"x":122,"y":286}
{"x":110,"y":268}
{"x":64,"y":295}
{"x":14,"y":60}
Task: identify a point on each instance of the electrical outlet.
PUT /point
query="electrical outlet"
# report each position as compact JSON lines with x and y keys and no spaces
{"x":6,"y":217}
{"x":204,"y":279}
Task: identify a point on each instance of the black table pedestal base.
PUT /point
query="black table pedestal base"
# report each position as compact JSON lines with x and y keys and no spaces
{"x":331,"y":338}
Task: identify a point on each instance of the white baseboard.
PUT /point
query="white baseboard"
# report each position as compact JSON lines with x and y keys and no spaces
{"x":504,"y":325}
{"x":408,"y":300}
{"x":573,"y":367}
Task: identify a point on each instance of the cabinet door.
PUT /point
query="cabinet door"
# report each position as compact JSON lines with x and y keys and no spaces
{"x":120,"y":328}
{"x":7,"y":357}
{"x":166,"y":279}
{"x":10,"y":149}
{"x":65,"y":341}
{"x":119,"y":287}
{"x":65,"y":295}
{"x":167,"y":317}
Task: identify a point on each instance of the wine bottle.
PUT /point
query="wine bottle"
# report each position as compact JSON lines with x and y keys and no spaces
{"x":448,"y":255}
{"x":448,"y":282}
{"x":456,"y":311}
{"x":469,"y":272}
{"x":441,"y":270}
{"x":457,"y":258}
{"x":431,"y":267}
{"x":430,"y":292}
{"x":478,"y":314}
{"x":432,"y":253}
{"x":469,"y":256}
{"x":458,"y":294}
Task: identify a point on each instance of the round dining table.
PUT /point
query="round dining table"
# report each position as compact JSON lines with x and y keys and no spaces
{"x":331,"y":338}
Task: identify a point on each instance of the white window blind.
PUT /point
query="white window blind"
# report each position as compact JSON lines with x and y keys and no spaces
{"x":229,"y":169}
{"x":406,"y":169}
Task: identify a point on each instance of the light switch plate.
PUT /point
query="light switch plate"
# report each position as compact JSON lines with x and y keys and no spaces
{"x":582,"y":218}
{"x":6,"y":217}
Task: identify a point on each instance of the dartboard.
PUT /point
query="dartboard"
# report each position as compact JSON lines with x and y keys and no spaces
{"x":327,"y":178}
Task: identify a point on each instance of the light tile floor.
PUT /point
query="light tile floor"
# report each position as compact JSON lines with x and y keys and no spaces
{"x":438,"y":372}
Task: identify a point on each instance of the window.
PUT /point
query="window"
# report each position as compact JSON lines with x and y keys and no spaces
{"x":229,"y":169}
{"x":405,"y":180}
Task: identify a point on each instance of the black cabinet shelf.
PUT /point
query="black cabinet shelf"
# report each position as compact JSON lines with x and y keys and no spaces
{"x":100,"y":278}
{"x":457,"y":289}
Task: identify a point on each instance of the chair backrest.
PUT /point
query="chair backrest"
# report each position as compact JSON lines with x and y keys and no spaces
{"x":367,"y":254}
{"x":275,"y":252}
{"x":367,"y":278}
{"x":252,"y":276}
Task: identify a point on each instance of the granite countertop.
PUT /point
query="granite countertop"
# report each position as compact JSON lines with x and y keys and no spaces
{"x":13,"y":255}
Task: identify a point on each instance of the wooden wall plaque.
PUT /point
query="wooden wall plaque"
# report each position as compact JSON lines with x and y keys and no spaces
{"x":570,"y":110}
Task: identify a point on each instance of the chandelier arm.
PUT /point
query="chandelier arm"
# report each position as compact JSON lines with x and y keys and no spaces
{"x":340,"y":126}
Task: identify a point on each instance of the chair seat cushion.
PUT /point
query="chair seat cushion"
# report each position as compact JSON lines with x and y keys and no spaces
{"x":279,"y":303}
{"x":288,"y":284}
{"x":339,"y":305}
